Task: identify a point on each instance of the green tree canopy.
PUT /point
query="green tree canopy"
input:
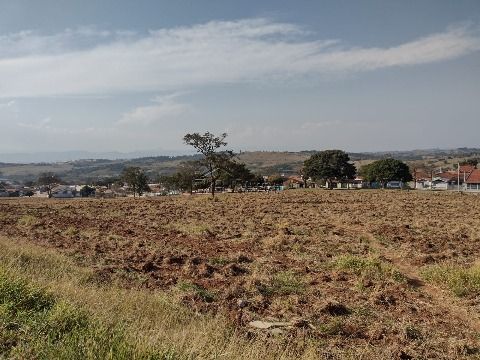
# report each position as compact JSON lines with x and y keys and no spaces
{"x":235,"y":172}
{"x":329,"y":165}
{"x":386,"y":170}
{"x":87,"y":191}
{"x":185,"y":178}
{"x":471,"y":161}
{"x":136,"y":179}
{"x":214,"y":159}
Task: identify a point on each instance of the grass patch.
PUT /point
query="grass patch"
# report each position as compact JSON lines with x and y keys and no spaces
{"x":463,"y":282}
{"x":201,"y":292}
{"x":35,"y":324}
{"x":367,"y":267}
{"x":283,"y":283}
{"x":71,"y":231}
{"x":27,"y":221}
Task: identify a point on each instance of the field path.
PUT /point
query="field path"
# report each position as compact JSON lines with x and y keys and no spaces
{"x":441,"y":299}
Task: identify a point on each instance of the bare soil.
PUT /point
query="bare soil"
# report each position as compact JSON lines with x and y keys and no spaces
{"x":291,"y":256}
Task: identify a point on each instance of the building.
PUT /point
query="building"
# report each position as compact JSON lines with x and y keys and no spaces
{"x":473,"y":181}
{"x":62,"y":192}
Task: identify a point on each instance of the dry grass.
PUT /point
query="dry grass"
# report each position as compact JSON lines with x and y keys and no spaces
{"x":173,"y":271}
{"x":145,"y":324}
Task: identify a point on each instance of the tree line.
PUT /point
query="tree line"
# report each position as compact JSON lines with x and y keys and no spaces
{"x":217,"y":164}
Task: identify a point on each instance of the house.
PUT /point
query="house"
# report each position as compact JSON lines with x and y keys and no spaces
{"x":62,"y":192}
{"x":358,"y":183}
{"x":473,"y":181}
{"x":421,"y":180}
{"x":467,"y":169}
{"x":293,"y":182}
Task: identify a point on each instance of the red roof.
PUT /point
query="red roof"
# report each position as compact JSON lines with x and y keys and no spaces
{"x":474,"y":177}
{"x":447,"y":175}
{"x":466,"y":168}
{"x":420,"y":175}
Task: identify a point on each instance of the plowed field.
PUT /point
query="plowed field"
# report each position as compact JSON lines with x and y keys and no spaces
{"x":347,"y":268}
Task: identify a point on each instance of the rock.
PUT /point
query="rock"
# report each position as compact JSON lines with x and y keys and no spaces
{"x":267,"y":325}
{"x":276,"y":331}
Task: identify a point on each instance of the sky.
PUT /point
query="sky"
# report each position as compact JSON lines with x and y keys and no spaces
{"x":118,"y":75}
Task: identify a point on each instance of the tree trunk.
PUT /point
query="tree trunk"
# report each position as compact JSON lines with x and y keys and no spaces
{"x":213,"y":187}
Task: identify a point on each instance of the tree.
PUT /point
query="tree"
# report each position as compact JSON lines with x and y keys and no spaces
{"x":213,"y":159}
{"x":87,"y":191}
{"x":108,"y":181}
{"x":188,"y":172}
{"x":329,"y":165}
{"x":234,"y":172}
{"x":29,"y":193}
{"x":136,"y":179}
{"x":472,"y":161}
{"x":386,"y":170}
{"x":276,"y":180}
{"x":184,"y":179}
{"x":49,"y":180}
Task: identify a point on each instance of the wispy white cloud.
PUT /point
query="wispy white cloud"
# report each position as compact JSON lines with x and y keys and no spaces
{"x":164,"y":107}
{"x":46,"y":126}
{"x":89,"y":61}
{"x":309,"y":125}
{"x":7,"y":105}
{"x":43,"y":124}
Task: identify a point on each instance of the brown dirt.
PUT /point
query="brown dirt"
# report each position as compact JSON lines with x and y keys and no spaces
{"x":272,"y":256}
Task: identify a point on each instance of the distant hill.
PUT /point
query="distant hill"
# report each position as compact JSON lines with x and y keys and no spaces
{"x":62,"y":156}
{"x":261,"y":162}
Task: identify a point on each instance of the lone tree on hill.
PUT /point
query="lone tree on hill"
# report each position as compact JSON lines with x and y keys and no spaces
{"x":136,"y":180}
{"x":386,"y":170}
{"x":48,"y":180}
{"x":329,"y":165}
{"x":213,"y":160}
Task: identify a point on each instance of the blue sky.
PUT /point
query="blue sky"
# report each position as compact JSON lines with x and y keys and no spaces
{"x":275,"y":75}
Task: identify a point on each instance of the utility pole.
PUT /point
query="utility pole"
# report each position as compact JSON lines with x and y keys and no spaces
{"x":458,"y":177}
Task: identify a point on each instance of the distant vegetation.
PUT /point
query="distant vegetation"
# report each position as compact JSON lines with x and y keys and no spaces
{"x":264,"y":162}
